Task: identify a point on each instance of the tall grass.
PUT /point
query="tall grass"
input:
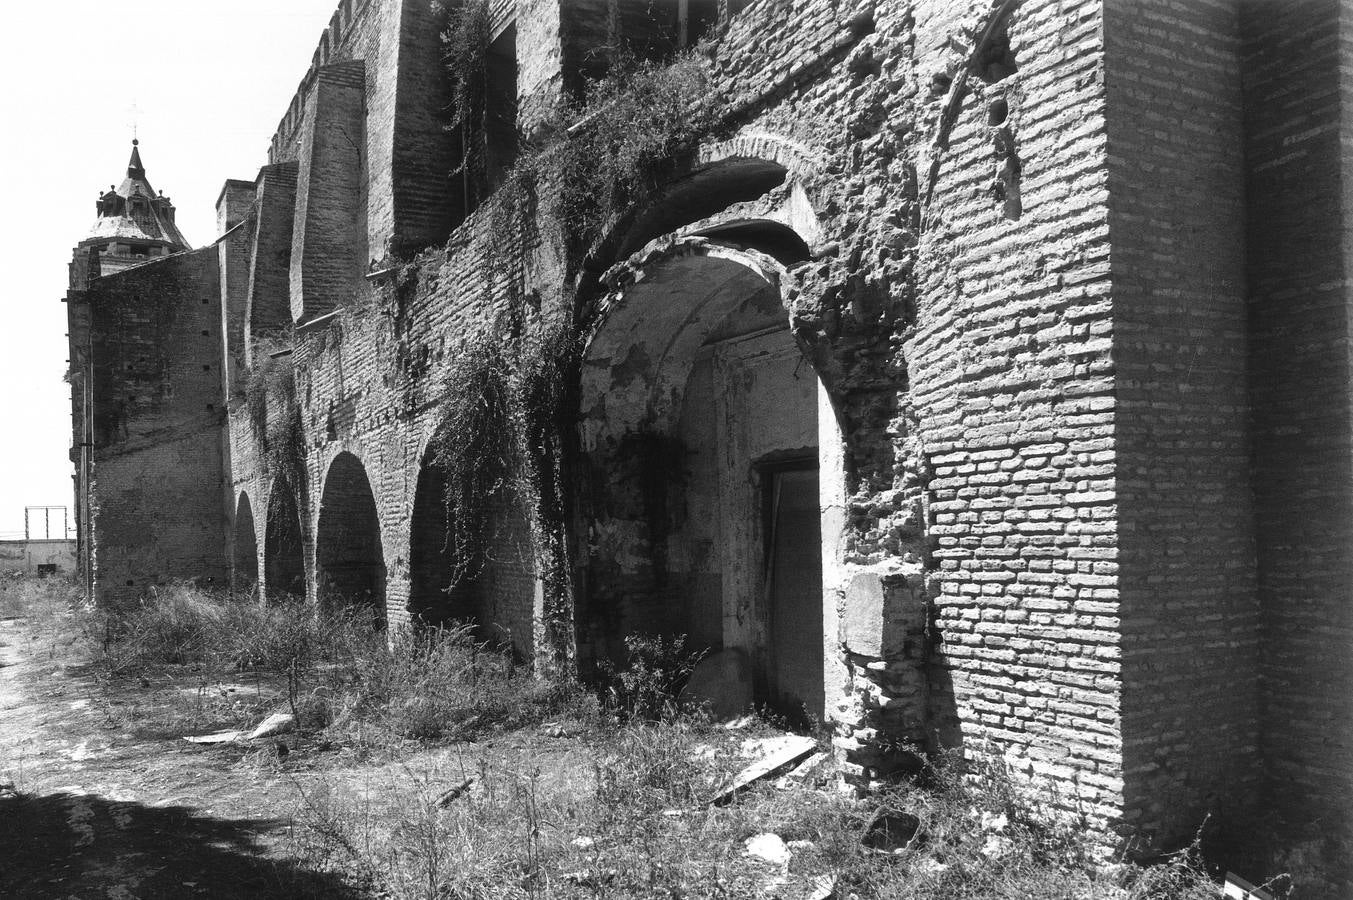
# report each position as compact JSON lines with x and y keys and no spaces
{"x":344,"y":675}
{"x":27,"y":597}
{"x":625,"y":812}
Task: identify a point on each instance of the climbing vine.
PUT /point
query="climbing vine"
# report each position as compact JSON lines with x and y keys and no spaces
{"x":507,"y":397}
{"x":270,"y":384}
{"x":465,"y":35}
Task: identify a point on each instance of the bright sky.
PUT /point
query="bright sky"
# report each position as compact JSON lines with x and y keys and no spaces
{"x":206,"y":82}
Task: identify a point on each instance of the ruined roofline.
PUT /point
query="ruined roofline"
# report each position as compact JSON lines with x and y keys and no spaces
{"x":234,"y":182}
{"x":346,"y":15}
{"x":157,"y":260}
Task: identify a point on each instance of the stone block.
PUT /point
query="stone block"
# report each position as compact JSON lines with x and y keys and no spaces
{"x":881,"y":616}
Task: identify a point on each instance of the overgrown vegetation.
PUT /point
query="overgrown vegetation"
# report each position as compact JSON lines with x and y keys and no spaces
{"x":638,"y":823}
{"x":344,"y":681}
{"x":456,"y":774}
{"x":274,"y":411}
{"x":26,"y":597}
{"x":648,"y":684}
{"x":505,"y":397}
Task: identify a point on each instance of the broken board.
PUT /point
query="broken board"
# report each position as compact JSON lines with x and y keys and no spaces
{"x":788,"y":751}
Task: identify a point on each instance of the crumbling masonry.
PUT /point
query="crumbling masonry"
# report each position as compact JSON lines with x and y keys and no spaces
{"x":963,"y":374}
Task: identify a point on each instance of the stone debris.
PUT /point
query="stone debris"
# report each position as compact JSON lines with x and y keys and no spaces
{"x":220,"y":737}
{"x":768,"y":847}
{"x":824,"y":888}
{"x":891,"y":831}
{"x":813,"y":766}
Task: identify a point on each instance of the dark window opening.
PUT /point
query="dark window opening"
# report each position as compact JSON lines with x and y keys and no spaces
{"x":486,"y":139}
{"x":500,"y":125}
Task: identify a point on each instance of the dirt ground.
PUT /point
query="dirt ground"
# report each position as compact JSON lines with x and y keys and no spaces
{"x":100,"y":796}
{"x":91,"y":806}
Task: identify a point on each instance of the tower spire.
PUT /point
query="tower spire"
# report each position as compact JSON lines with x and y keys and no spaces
{"x":134,"y":168}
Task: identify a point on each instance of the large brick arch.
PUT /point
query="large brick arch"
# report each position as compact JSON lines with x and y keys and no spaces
{"x":497,"y":592}
{"x":432,"y":560}
{"x":283,"y":545}
{"x":245,"y":563}
{"x":757,"y":174}
{"x":677,"y":494}
{"x":349,"y":555}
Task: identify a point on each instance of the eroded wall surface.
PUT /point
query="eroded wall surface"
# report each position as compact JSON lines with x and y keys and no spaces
{"x":1081,"y":431}
{"x":148,"y":343}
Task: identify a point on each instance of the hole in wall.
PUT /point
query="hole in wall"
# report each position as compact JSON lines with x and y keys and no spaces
{"x":998,"y":111}
{"x":998,"y":60}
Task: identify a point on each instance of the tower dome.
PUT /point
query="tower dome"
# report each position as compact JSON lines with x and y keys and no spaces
{"x":134,"y":223}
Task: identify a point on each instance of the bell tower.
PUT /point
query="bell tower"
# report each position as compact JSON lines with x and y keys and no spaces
{"x":134,"y":225}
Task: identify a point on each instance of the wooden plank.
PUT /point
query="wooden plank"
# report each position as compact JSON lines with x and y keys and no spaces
{"x":789,"y":750}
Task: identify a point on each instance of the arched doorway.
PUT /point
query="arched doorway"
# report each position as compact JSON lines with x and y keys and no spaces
{"x":495,"y":589}
{"x":699,"y":432}
{"x":349,"y":558}
{"x":432,"y":557}
{"x":244,"y":570}
{"x":283,"y":558}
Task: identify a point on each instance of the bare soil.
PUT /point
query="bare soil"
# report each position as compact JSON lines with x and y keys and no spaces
{"x":100,"y":796}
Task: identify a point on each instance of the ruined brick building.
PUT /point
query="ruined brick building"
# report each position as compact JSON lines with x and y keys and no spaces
{"x":964,"y":374}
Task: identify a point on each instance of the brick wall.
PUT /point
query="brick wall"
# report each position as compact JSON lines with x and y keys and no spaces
{"x":269,"y":306}
{"x":1026,"y":301}
{"x":327,"y":240}
{"x":422,"y":146}
{"x":1297,"y":166}
{"x":235,"y":224}
{"x":1012,"y":384}
{"x":1185,"y":561}
{"x":158,"y":513}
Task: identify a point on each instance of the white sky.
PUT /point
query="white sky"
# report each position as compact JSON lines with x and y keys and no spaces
{"x":209,"y":81}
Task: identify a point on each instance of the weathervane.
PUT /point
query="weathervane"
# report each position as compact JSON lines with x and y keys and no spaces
{"x":135,"y":112}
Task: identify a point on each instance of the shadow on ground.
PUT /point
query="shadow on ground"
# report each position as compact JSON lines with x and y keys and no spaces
{"x":79,"y":845}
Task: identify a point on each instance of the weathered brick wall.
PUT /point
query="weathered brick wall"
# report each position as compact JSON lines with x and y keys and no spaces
{"x":328,"y":243}
{"x":1186,"y":593}
{"x":1024,"y":296}
{"x":269,"y":302}
{"x":422,"y":145}
{"x":1009,"y":431}
{"x":1012,"y":384}
{"x":233,"y":208}
{"x":158,"y":473}
{"x":1297,"y":165}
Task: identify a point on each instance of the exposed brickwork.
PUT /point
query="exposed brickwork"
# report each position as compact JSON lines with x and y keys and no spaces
{"x":1186,"y":599}
{"x":157,"y":469}
{"x":327,"y":243}
{"x":1012,"y":395}
{"x":233,"y":220}
{"x":1081,"y":433}
{"x":269,"y":307}
{"x":1298,"y":155}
